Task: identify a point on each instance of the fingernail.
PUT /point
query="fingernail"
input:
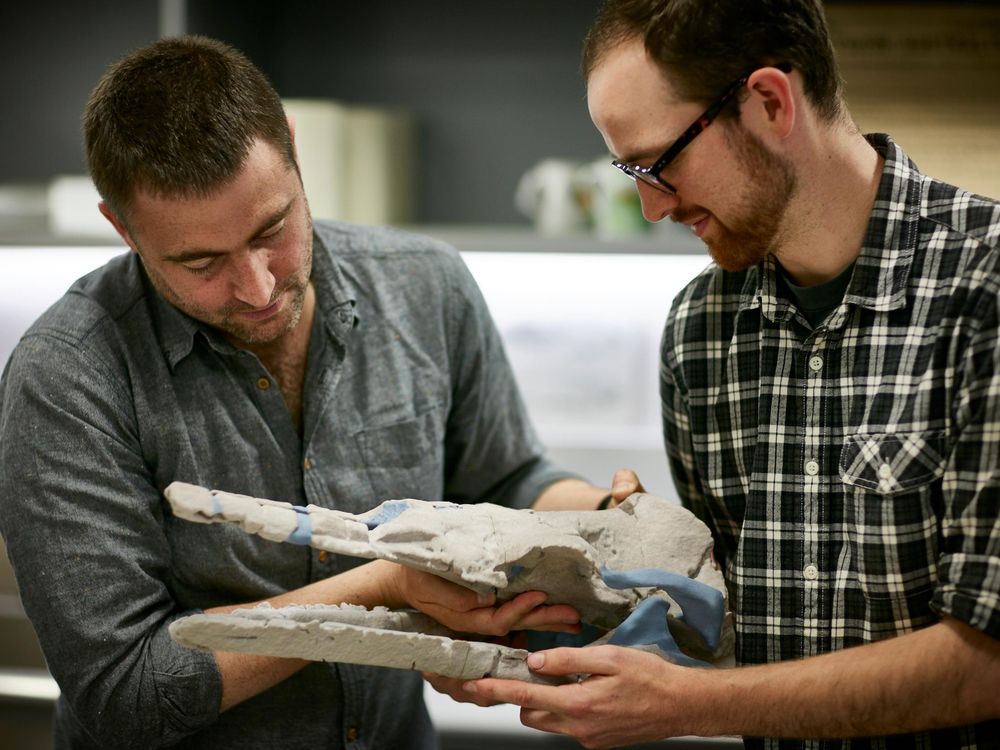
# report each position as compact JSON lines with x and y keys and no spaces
{"x":536,"y":661}
{"x":618,"y":488}
{"x":470,"y":687}
{"x":484,"y":600}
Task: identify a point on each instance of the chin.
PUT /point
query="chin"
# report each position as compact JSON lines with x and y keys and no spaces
{"x":734,"y":261}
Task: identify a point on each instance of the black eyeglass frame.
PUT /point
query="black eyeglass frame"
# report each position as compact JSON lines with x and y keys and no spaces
{"x":651,"y":174}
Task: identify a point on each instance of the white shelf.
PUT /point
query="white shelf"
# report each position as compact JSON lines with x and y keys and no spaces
{"x":664,"y":238}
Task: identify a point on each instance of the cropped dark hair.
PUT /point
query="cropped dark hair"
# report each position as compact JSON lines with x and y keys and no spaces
{"x":705,"y":45}
{"x":178,"y":118}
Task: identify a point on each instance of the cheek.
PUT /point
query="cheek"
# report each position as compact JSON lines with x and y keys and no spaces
{"x":196,"y":294}
{"x":289,"y":257}
{"x":206,"y":297}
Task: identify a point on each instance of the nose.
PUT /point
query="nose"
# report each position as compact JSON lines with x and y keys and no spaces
{"x":656,"y":204}
{"x":254,"y":283}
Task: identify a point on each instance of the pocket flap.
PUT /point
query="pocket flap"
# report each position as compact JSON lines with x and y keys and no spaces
{"x":892,"y":462}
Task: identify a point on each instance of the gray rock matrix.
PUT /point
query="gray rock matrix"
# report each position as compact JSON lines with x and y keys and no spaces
{"x":485,"y":547}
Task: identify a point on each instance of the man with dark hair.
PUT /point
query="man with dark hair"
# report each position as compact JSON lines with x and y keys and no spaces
{"x":831,"y":398}
{"x":241,"y":347}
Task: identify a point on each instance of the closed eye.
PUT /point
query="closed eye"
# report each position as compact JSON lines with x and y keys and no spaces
{"x":201,"y":266}
{"x":272,"y":231}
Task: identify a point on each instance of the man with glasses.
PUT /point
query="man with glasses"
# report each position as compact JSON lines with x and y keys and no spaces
{"x":831,"y":398}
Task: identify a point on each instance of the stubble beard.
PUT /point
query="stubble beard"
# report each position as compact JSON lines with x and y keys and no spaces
{"x":252,"y":334}
{"x":757,"y":224}
{"x":224,"y":320}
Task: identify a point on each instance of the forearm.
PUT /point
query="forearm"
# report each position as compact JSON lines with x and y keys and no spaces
{"x":569,"y":494}
{"x":246,"y":675}
{"x":384,"y":583}
{"x":944,"y":675}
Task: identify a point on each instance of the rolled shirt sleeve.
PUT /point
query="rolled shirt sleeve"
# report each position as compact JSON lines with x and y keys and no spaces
{"x":969,"y":572}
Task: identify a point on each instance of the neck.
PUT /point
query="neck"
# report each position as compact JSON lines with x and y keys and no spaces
{"x":839,"y":173}
{"x":285,"y":358}
{"x":294,"y":343}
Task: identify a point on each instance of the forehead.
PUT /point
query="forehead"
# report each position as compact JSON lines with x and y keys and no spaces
{"x":632,"y":102}
{"x":265,"y":182}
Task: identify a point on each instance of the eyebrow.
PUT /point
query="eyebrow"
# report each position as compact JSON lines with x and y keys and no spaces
{"x":650,"y":153}
{"x":195,"y":253}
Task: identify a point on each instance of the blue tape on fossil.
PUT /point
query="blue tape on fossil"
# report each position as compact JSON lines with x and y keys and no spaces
{"x":389,"y":511}
{"x":703,"y":606}
{"x":647,"y":626}
{"x":303,"y":528}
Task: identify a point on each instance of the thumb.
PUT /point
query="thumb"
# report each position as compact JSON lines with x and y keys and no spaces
{"x":625,"y":483}
{"x":569,"y":661}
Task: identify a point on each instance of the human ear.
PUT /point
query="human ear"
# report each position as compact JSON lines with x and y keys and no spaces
{"x":291,"y":132}
{"x":118,"y":224}
{"x":772,"y":100}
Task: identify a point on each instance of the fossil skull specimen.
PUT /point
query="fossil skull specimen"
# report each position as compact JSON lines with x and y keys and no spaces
{"x":641,"y":571}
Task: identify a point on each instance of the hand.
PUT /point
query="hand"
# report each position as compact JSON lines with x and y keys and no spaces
{"x":465,"y":611}
{"x":625,"y":482}
{"x":455,"y":689}
{"x":631,"y":696}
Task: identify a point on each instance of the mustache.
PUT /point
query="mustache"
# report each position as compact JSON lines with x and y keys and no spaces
{"x":684,"y":216}
{"x":235,"y":309}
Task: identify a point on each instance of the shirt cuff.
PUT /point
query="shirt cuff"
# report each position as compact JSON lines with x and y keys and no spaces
{"x":970,"y":591}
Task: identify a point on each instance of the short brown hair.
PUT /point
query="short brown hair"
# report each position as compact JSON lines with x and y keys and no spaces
{"x":705,"y":45}
{"x":178,"y":118}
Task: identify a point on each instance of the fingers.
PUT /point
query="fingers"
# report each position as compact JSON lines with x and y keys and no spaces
{"x":520,"y":693}
{"x":453,"y":688}
{"x":625,"y":697}
{"x":596,"y":660}
{"x":422,"y":589}
{"x":464,"y":611}
{"x":625,"y":482}
{"x":524,"y":612}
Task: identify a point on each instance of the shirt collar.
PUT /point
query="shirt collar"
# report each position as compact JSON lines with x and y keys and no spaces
{"x":335,"y":301}
{"x":882,"y":270}
{"x":883,"y":266}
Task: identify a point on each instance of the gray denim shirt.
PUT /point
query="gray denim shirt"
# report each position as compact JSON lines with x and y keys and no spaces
{"x":114,"y":393}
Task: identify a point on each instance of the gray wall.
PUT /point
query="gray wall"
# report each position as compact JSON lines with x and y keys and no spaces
{"x":51,"y":54}
{"x":495,"y":87}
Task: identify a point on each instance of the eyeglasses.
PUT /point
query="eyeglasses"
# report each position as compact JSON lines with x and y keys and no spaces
{"x":651,"y":175}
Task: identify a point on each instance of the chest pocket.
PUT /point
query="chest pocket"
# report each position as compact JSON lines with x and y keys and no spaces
{"x":890,"y":464}
{"x":892,"y":493}
{"x":406,"y":459}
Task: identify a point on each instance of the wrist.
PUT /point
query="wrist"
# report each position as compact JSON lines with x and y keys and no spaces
{"x":707,"y":702}
{"x":388,"y":583}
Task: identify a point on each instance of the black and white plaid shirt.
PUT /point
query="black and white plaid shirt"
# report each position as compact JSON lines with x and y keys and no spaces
{"x":851,"y":472}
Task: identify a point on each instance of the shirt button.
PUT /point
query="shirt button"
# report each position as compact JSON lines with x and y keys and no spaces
{"x":815,"y":364}
{"x":812,"y":468}
{"x":810,"y":573}
{"x":885,"y":471}
{"x":263,"y":383}
{"x":352,"y":734}
{"x":306,"y":464}
{"x":323,"y":555}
